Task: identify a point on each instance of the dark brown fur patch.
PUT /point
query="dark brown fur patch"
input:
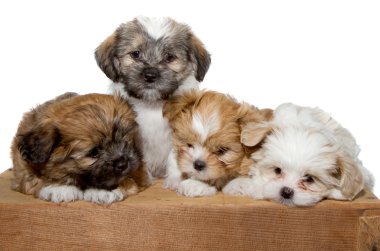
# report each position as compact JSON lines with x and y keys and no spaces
{"x":202,"y":57}
{"x":105,"y":57}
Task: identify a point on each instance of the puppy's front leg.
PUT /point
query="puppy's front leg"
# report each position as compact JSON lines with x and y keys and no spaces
{"x":195,"y":188}
{"x":173,"y":174}
{"x":244,"y":186}
{"x":239,"y":186}
{"x":101,"y":196}
{"x":127,"y":187}
{"x":60,"y":193}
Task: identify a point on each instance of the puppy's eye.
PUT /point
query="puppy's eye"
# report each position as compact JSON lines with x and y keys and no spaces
{"x":309,"y":179}
{"x":189,"y":145}
{"x":93,"y":153}
{"x":277,"y":171}
{"x":135,"y":54}
{"x":169,"y":58}
{"x":221,"y":150}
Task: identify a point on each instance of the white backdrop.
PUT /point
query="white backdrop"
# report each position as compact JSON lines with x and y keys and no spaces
{"x":314,"y":53}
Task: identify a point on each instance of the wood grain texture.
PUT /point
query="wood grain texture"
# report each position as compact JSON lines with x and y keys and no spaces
{"x":158,"y":219}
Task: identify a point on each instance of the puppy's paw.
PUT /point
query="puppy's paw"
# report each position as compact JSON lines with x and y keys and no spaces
{"x":195,"y":188}
{"x":239,"y":187}
{"x":101,"y":196}
{"x":60,"y":193}
{"x":171,"y":184}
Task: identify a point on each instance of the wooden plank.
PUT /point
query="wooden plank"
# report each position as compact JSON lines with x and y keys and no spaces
{"x":158,"y":219}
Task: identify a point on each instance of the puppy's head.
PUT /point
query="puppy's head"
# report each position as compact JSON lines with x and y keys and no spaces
{"x":152,"y":57}
{"x":88,"y":141}
{"x":300,"y":164}
{"x":206,"y":131}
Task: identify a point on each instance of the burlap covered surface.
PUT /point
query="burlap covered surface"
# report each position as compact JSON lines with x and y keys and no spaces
{"x":159,"y":219}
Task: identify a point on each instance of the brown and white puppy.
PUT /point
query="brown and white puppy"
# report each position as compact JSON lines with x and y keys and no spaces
{"x":79,"y":147}
{"x":207,"y":151}
{"x":149,"y":60}
{"x":306,"y":156}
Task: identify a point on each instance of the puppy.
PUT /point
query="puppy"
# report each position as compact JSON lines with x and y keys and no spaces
{"x":207,"y":152}
{"x":306,"y":156}
{"x":149,"y":60}
{"x":79,"y":147}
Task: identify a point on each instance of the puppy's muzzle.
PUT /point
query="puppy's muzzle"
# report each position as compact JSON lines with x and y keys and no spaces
{"x":120,"y":165}
{"x":150,"y":74}
{"x":287,"y":192}
{"x":199,"y":165}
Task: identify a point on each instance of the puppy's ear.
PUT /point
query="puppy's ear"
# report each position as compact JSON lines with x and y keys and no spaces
{"x":66,"y":95}
{"x":37,"y":145}
{"x":105,"y":56}
{"x":247,"y":113}
{"x":200,"y":56}
{"x":254,"y":133}
{"x":179,"y":104}
{"x":252,"y":123}
{"x":350,"y":176}
{"x":267,"y":114}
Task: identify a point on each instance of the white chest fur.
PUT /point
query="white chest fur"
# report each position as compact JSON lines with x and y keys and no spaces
{"x":155,"y":132}
{"x":154,"y":128}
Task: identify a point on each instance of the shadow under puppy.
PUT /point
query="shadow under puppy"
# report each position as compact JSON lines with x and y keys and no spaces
{"x":79,"y":147}
{"x":149,"y":60}
{"x":305,"y":156}
{"x":207,"y":151}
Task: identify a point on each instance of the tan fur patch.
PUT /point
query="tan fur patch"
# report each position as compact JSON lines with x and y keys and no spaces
{"x":352,"y":179}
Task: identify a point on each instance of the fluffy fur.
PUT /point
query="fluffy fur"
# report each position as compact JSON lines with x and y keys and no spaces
{"x":149,"y":60}
{"x":207,"y":151}
{"x":306,"y":156}
{"x":79,"y":147}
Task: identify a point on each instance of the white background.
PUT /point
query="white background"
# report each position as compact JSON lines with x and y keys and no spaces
{"x":314,"y":53}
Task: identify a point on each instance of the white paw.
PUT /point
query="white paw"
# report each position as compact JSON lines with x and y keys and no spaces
{"x":60,"y":193}
{"x":101,"y":196}
{"x":239,"y":186}
{"x":171,"y":184}
{"x":194,"y":188}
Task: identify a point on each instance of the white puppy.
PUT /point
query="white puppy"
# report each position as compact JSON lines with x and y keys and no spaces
{"x":305,"y":156}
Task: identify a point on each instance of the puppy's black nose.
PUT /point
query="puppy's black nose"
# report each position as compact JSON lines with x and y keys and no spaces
{"x":150,"y":74}
{"x":199,"y":165}
{"x":287,"y":192}
{"x":120,"y":165}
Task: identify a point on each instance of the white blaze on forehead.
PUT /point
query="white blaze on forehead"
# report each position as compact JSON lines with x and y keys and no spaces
{"x":197,"y":152}
{"x":156,"y":27}
{"x":205,"y":126}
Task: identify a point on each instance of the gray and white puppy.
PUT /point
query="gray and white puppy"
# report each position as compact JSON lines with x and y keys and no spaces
{"x":150,"y":60}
